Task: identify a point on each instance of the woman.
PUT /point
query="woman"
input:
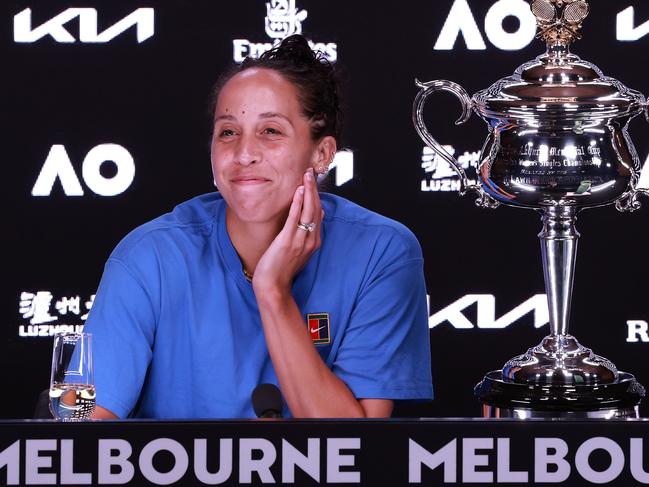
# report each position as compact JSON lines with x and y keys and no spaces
{"x":266,"y":281}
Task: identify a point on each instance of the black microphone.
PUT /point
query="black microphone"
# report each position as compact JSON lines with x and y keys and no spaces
{"x":267,"y":401}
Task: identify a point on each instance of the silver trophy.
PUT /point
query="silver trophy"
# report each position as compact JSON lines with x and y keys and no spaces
{"x":557,"y":143}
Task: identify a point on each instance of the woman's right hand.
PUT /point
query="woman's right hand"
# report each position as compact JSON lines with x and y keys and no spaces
{"x":293,"y":246}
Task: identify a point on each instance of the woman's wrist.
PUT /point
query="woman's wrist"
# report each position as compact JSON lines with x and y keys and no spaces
{"x":271,"y":294}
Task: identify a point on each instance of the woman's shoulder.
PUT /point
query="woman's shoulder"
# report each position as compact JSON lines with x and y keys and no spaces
{"x":194,"y":218}
{"x":350,"y":222}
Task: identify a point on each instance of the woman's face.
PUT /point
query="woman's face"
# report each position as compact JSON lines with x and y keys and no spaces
{"x":261,"y":145}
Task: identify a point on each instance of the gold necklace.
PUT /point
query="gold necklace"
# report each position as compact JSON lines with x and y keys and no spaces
{"x":246,"y":274}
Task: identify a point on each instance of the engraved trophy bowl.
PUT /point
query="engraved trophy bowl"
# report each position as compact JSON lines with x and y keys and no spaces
{"x":557,"y":143}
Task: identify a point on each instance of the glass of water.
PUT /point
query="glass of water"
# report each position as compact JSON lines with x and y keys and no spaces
{"x":72,"y":385}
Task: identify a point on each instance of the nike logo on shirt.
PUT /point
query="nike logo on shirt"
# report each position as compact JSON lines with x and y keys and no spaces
{"x":313,"y":330}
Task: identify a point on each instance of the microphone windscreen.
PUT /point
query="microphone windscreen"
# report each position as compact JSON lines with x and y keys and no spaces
{"x":267,"y":401}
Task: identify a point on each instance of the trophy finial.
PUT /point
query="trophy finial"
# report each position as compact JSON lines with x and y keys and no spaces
{"x":560,"y":21}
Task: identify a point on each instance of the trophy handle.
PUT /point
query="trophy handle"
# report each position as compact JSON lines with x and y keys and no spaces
{"x":427,"y":88}
{"x":629,"y":203}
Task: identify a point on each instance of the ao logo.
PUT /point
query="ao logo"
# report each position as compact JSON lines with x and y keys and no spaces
{"x":141,"y":18}
{"x":461,"y":20}
{"x":343,"y":164}
{"x":58,"y":165}
{"x":486,"y":312}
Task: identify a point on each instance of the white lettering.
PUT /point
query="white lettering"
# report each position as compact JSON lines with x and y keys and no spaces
{"x":344,"y":164}
{"x":582,"y":460}
{"x":181,"y":461}
{"x":243,"y":48}
{"x":283,"y":19}
{"x":494,"y":25}
{"x":58,"y":165}
{"x":309,"y":463}
{"x":47,"y":330}
{"x":335,"y":460}
{"x":34,"y":462}
{"x":225,"y":462}
{"x":247,"y":464}
{"x":418,"y":456}
{"x":29,"y":331}
{"x":543,"y":459}
{"x":486,"y":316}
{"x":460,"y":20}
{"x":10,"y":458}
{"x":637,"y":470}
{"x":626,"y":29}
{"x":68,"y":475}
{"x":141,"y":18}
{"x":331,"y":51}
{"x":638,"y":330}
{"x":106,"y":460}
{"x":23,"y":26}
{"x":503,"y":472}
{"x":445,"y":185}
{"x":471,"y":460}
{"x":125,"y":169}
{"x":643,"y":182}
{"x":240,"y":50}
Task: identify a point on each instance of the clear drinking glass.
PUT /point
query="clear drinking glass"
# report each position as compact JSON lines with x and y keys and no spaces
{"x":72,"y":385}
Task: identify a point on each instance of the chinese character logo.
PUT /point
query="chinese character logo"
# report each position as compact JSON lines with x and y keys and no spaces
{"x":440,"y":176}
{"x":36,"y":306}
{"x":48,"y":315}
{"x":283,"y":19}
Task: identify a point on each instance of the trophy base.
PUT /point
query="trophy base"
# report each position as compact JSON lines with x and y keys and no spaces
{"x":560,"y":360}
{"x":505,"y":399}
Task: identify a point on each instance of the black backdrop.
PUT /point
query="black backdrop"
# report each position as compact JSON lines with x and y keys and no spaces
{"x":149,"y":96}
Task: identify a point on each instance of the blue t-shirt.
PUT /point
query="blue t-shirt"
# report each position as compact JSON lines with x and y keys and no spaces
{"x":177,"y":331}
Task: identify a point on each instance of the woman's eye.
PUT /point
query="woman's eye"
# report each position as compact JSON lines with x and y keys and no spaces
{"x":226,"y":133}
{"x":271,"y":131}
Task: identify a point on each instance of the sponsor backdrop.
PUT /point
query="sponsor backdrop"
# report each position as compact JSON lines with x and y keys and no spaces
{"x":104,"y":126}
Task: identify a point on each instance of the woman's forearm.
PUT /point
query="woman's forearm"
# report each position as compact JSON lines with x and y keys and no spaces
{"x":309,"y":387}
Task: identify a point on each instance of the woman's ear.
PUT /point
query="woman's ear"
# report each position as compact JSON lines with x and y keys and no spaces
{"x":324,"y":155}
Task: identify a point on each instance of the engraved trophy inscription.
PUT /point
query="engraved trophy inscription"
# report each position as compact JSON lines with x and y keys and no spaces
{"x":557,"y":143}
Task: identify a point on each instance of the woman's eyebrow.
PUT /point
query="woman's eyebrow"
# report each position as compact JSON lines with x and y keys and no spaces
{"x":225,"y":117}
{"x":274,"y":115}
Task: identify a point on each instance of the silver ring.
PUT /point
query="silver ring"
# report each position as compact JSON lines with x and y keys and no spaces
{"x":309,"y":227}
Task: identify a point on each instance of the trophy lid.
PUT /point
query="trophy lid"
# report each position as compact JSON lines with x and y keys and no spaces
{"x":558,"y":84}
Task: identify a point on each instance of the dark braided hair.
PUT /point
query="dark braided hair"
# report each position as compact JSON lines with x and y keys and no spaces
{"x":315,"y":78}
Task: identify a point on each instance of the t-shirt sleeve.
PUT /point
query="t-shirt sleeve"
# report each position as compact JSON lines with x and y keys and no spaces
{"x":122,"y":322}
{"x":385,"y":350}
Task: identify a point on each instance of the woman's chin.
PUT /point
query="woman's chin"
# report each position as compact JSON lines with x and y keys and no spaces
{"x":255,"y":213}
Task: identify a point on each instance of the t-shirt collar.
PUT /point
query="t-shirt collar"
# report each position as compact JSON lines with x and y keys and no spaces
{"x":304,"y":280}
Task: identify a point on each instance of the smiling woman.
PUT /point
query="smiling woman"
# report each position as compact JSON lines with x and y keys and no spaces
{"x":262,"y":146}
{"x":268,"y":280}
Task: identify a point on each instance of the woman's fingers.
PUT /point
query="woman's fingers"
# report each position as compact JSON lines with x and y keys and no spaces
{"x":308,"y":209}
{"x":295,"y":210}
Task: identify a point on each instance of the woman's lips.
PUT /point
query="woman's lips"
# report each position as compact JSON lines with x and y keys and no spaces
{"x":249,"y":180}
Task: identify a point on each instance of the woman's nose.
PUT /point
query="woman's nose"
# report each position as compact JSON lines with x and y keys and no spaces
{"x":248,"y":151}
